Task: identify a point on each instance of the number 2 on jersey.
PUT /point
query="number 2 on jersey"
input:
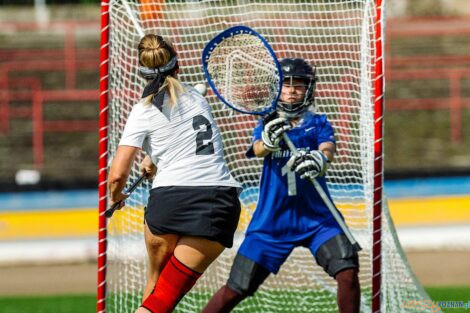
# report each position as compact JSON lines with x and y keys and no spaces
{"x":204,"y":145}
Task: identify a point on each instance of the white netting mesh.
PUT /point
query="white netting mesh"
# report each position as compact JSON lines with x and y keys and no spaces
{"x":335,"y":35}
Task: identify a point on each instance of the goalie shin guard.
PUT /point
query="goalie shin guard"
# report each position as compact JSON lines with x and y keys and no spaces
{"x":174,"y":282}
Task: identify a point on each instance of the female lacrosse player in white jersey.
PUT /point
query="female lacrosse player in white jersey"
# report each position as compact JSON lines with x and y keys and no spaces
{"x":193,"y":208}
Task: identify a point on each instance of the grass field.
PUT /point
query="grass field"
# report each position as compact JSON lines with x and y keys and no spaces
{"x":43,"y":304}
{"x":86,"y":303}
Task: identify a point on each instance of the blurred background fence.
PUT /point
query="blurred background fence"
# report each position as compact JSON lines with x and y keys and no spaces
{"x":49,"y":93}
{"x":428,"y":95}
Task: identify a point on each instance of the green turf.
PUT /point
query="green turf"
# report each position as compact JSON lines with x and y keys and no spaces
{"x":87,"y":303}
{"x":450,"y":294}
{"x":48,"y":304}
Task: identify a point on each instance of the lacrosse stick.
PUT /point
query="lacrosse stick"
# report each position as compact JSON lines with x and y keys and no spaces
{"x":244,"y":73}
{"x":109,"y":212}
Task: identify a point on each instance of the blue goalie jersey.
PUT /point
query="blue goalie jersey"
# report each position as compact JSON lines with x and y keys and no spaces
{"x":289,"y":208}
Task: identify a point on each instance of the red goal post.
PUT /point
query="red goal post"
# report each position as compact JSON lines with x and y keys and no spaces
{"x":103,"y":158}
{"x":378,"y":159}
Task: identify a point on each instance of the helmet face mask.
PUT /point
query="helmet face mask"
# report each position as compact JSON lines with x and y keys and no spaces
{"x":299,"y":78}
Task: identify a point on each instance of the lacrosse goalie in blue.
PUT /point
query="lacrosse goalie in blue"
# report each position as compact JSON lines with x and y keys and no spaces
{"x":290,"y":212}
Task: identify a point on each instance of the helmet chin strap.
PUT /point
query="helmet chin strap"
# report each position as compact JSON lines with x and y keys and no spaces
{"x":288,"y":116}
{"x":292,"y":115}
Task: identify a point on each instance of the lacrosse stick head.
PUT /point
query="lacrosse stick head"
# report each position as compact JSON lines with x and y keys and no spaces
{"x":242,"y":70}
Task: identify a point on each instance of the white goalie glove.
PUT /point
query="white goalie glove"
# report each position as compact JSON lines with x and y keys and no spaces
{"x":308,"y":164}
{"x":272,"y":133}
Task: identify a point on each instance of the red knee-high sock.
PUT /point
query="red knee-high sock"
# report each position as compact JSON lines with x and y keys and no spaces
{"x":174,"y":282}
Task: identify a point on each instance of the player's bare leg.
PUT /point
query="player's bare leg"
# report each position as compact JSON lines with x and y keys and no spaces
{"x":223,"y":301}
{"x":349,"y":292}
{"x":142,"y":310}
{"x":197,"y":253}
{"x":159,"y":249}
{"x":190,"y":259}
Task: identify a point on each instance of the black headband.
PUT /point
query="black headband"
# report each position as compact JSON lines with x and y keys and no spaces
{"x":151,"y":73}
{"x":157,"y":75}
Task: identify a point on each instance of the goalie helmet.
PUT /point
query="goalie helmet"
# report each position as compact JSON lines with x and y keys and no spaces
{"x":298,"y":68}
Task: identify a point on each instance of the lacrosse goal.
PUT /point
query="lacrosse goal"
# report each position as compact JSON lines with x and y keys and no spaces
{"x":343,"y":38}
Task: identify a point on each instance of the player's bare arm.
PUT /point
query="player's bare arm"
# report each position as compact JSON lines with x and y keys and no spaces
{"x":260,"y":149}
{"x":328,"y":149}
{"x":119,"y":172}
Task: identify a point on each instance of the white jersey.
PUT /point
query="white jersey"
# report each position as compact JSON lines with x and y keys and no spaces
{"x":182,"y":140}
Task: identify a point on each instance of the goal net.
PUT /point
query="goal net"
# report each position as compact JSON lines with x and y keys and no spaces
{"x":339,"y":37}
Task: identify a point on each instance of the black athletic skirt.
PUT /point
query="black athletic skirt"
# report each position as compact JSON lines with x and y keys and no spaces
{"x":211,"y":212}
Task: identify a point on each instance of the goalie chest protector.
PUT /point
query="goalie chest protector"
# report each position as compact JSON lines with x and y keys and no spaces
{"x":288,"y":206}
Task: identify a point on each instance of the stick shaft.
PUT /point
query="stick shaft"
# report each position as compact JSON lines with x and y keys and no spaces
{"x":109,"y":212}
{"x":325,"y":198}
